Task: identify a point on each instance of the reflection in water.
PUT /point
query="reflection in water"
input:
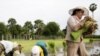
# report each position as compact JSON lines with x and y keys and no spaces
{"x":95,"y":51}
{"x":93,"y":48}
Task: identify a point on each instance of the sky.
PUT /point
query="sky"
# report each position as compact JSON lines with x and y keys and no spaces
{"x":46,"y":10}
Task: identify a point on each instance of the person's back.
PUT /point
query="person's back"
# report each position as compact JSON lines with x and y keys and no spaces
{"x":7,"y":45}
{"x":40,"y":49}
{"x":37,"y":51}
{"x":43,"y":45}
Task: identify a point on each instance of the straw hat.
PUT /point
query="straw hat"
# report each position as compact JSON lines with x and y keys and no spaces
{"x":86,"y":12}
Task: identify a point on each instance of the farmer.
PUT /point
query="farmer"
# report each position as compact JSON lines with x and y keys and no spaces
{"x":9,"y":47}
{"x":39,"y":49}
{"x":75,"y":22}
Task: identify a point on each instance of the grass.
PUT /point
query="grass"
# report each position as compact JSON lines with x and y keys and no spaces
{"x":28,"y":44}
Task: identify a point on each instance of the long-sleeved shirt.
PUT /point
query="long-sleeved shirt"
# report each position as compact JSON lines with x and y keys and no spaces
{"x":73,"y":24}
{"x":7,"y":45}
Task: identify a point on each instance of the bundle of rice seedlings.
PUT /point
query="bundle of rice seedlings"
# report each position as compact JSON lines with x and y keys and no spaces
{"x":90,"y":26}
{"x":52,"y":48}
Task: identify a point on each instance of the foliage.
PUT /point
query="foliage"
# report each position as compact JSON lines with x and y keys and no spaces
{"x":18,"y":28}
{"x":11,"y":21}
{"x":65,"y":45}
{"x":60,"y":33}
{"x":28,"y":26}
{"x":92,"y":36}
{"x":93,"y":7}
{"x":90,"y":26}
{"x":52,"y":47}
{"x":29,"y":31}
{"x":2,"y":29}
{"x":65,"y":30}
{"x":39,"y":26}
{"x":12,"y":27}
{"x":51,"y":29}
{"x":46,"y":32}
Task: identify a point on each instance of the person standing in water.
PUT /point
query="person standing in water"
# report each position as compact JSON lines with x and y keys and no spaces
{"x":76,"y":47}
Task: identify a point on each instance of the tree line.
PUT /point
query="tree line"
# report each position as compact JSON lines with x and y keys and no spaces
{"x":29,"y":31}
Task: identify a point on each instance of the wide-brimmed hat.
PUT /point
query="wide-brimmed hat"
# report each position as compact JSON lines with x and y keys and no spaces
{"x":86,"y":12}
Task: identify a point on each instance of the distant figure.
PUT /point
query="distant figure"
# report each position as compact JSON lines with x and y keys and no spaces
{"x":39,"y":49}
{"x":9,"y":47}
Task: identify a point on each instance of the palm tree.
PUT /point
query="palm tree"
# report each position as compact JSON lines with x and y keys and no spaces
{"x":12,"y":27}
{"x":39,"y":26}
{"x":92,"y":8}
{"x":2,"y":30}
{"x":19,"y":29}
{"x":28,"y":29}
{"x":11,"y":21}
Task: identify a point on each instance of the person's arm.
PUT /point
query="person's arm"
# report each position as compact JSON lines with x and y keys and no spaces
{"x":74,"y":25}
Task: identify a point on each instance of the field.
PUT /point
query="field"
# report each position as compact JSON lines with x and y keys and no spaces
{"x":27,"y":44}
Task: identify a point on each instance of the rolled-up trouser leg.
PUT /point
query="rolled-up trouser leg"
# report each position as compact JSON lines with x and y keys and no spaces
{"x":72,"y":48}
{"x":83,"y":51}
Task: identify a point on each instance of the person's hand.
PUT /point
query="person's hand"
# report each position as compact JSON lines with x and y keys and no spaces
{"x":83,"y":21}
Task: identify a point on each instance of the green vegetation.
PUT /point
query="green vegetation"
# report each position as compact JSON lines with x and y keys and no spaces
{"x":28,"y":44}
{"x":51,"y":48}
{"x":13,"y":30}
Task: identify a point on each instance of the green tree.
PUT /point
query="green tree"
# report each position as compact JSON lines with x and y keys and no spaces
{"x":92,"y":8}
{"x":39,"y":26}
{"x":65,"y":31}
{"x":28,"y":29}
{"x":46,"y":31}
{"x":52,"y":28}
{"x":19,"y":30}
{"x":2,"y":30}
{"x":11,"y":21}
{"x":12,"y":27}
{"x":60,"y":34}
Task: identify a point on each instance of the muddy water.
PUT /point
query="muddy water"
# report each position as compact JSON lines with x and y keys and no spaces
{"x":93,"y":49}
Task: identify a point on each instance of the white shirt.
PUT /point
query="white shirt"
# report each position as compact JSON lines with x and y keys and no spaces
{"x":36,"y":51}
{"x":8,"y":45}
